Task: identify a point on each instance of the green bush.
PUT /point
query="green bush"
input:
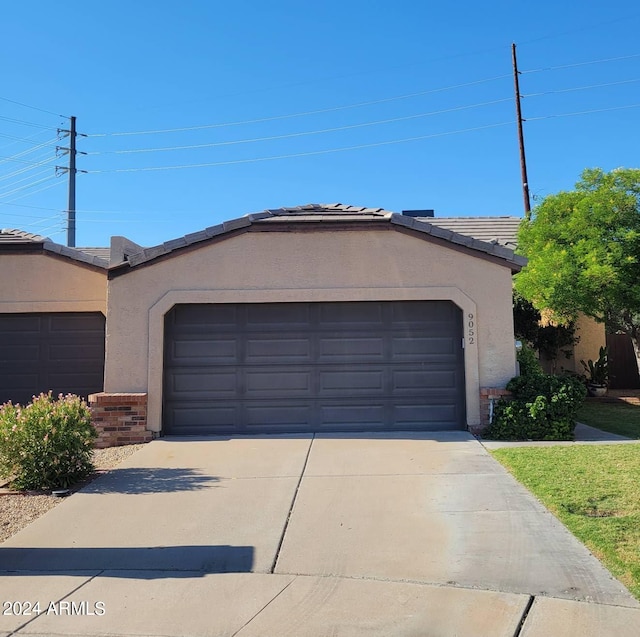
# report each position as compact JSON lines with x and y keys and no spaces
{"x":529,"y":363}
{"x":543,"y":407}
{"x":48,"y":444}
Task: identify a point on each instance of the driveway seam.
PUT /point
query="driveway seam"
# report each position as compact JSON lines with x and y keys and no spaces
{"x":71,"y":592}
{"x":525,"y":614}
{"x":273,"y":599}
{"x":293,"y":502}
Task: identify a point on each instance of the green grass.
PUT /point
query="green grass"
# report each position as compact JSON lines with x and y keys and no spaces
{"x":618,"y":418}
{"x":595,"y":491}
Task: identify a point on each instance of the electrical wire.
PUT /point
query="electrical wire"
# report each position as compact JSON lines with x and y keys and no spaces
{"x":595,"y":110}
{"x":22,"y":153}
{"x":26,"y":186}
{"x":28,"y":168}
{"x":42,"y":172}
{"x":22,"y":161}
{"x":18,"y":139}
{"x":301,"y":134}
{"x":581,"y":88}
{"x":21,"y":205}
{"x":570,"y":66}
{"x":24,"y":123}
{"x":304,"y":154}
{"x":28,"y":194}
{"x":35,"y":108}
{"x":304,"y":113}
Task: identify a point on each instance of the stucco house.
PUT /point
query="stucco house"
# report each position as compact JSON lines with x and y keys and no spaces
{"x":53,"y":303}
{"x":314,"y":318}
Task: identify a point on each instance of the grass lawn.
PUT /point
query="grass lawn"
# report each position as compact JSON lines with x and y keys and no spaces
{"x":595,"y":491}
{"x":618,"y":418}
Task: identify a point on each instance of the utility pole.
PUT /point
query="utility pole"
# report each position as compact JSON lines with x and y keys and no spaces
{"x":72,"y":171}
{"x":523,"y":161}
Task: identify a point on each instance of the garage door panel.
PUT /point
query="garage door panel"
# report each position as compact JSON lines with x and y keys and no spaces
{"x":408,"y":348}
{"x":353,"y":415}
{"x":418,"y":314}
{"x":422,"y":381}
{"x":300,"y":367}
{"x":351,"y":381}
{"x":19,"y":324}
{"x":265,"y":383}
{"x":197,"y":419}
{"x":277,"y":316}
{"x":339,"y":348}
{"x":266,"y":415}
{"x":212,"y":351}
{"x":444,"y":415}
{"x":277,"y":349}
{"x":199,"y":385}
{"x":199,"y":318}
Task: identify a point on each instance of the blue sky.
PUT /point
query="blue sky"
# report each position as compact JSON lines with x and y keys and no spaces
{"x":292,"y":102}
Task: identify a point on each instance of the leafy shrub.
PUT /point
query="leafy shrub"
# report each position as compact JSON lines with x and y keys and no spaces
{"x":543,"y":407}
{"x":529,"y":363}
{"x":47,"y":444}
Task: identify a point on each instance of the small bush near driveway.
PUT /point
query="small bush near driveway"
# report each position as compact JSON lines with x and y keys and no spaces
{"x":595,"y":491}
{"x":46,"y":444}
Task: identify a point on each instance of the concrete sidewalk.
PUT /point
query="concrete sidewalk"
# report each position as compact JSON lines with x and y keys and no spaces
{"x":342,"y":535}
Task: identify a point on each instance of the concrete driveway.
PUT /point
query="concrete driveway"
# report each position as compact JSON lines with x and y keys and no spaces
{"x":341,"y":535}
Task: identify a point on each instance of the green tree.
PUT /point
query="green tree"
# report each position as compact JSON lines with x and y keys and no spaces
{"x":583,"y":248}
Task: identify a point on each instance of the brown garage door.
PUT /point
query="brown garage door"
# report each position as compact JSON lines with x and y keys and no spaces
{"x":303,"y":367}
{"x":61,"y":352}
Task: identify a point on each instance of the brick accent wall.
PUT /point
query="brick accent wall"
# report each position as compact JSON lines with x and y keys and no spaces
{"x":119,"y":418}
{"x":487,"y":395}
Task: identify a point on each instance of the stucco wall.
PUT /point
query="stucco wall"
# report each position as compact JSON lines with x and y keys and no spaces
{"x":340,"y":265}
{"x":592,"y":338}
{"x":45,"y":283}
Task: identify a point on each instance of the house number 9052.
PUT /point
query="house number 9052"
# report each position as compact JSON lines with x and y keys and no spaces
{"x":471,"y":328}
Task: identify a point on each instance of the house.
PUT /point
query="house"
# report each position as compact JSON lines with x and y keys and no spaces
{"x":314,"y":318}
{"x":52,"y":317}
{"x":504,"y":230}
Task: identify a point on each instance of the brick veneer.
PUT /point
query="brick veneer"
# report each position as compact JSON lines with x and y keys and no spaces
{"x":487,"y":396}
{"x":119,"y":418}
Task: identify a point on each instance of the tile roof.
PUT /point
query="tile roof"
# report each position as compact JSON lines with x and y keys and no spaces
{"x":502,"y":230}
{"x":329,"y":214}
{"x":12,"y":236}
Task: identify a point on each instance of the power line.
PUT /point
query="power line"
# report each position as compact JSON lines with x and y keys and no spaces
{"x":569,"y":66}
{"x":300,"y":134}
{"x":22,"y":205}
{"x":21,"y":161}
{"x":26,"y":186}
{"x":33,"y":192}
{"x":595,"y":110}
{"x":35,"y":108}
{"x":42,"y":172}
{"x":22,"y":153}
{"x":304,"y":113}
{"x":28,"y":168}
{"x":305,"y":154}
{"x":582,"y":88}
{"x":24,"y":123}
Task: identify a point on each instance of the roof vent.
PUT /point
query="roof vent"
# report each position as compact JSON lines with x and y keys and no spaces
{"x":418,"y":213}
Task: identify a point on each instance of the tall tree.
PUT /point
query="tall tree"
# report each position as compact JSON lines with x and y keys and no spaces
{"x":583,"y":248}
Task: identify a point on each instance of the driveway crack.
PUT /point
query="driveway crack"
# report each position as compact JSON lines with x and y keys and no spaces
{"x":293,"y":503}
{"x":525,"y":614}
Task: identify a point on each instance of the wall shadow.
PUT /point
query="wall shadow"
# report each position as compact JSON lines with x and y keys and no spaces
{"x":155,"y":561}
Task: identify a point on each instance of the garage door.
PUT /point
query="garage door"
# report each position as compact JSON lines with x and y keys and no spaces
{"x":61,"y":352}
{"x":302,"y":367}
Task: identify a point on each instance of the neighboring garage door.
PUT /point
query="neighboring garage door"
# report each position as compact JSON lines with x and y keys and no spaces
{"x":61,"y":352}
{"x":312,"y":367}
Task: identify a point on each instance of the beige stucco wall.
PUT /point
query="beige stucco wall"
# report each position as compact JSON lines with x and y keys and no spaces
{"x":258,"y":267}
{"x":592,"y":337}
{"x":45,"y":283}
